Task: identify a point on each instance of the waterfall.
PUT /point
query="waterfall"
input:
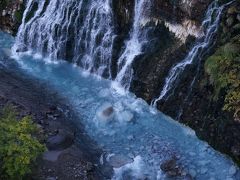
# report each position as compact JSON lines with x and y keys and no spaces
{"x":210,"y":24}
{"x":133,"y":48}
{"x":80,"y":31}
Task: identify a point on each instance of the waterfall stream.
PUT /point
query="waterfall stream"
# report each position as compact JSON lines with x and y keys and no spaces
{"x":133,"y":47}
{"x":210,"y":24}
{"x":80,"y":31}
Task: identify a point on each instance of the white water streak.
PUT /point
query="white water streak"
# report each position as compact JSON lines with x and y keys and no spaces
{"x":210,"y":23}
{"x":133,"y":48}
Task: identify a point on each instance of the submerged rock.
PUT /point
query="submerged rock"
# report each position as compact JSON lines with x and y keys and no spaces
{"x":171,"y":168}
{"x":105,"y":112}
{"x":108,"y":111}
{"x":118,"y":161}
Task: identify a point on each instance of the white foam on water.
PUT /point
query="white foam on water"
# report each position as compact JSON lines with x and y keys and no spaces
{"x":125,"y":116}
{"x":118,"y":88}
{"x":37,"y":56}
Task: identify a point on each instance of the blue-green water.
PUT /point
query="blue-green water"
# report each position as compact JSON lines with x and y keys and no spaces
{"x":135,"y":131}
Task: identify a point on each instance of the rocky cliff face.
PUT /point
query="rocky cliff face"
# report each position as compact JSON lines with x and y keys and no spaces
{"x":10,"y":15}
{"x":180,"y":22}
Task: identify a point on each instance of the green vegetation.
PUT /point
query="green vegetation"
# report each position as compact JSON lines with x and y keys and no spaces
{"x":18,"y":146}
{"x":223,"y":68}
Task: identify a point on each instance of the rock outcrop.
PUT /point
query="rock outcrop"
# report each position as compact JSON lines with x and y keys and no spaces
{"x":11,"y":15}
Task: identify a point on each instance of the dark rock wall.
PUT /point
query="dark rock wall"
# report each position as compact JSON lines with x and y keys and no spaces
{"x":11,"y":15}
{"x":178,"y":10}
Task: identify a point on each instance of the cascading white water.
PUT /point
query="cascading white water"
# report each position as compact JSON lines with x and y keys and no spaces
{"x":133,"y":47}
{"x":81,"y":31}
{"x":210,"y":23}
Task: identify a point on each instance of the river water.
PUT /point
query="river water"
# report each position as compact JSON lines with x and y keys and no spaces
{"x":136,"y":138}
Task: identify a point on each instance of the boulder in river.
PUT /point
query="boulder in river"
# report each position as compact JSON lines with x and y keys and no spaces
{"x":171,"y":168}
{"x":105,"y":112}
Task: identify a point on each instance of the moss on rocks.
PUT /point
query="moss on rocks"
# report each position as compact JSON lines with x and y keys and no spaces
{"x":223,"y":67}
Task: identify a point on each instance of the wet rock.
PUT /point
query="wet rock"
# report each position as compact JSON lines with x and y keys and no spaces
{"x":119,"y":160}
{"x":171,"y":168}
{"x":105,"y":112}
{"x":60,"y":141}
{"x":108,"y":111}
{"x":51,"y":155}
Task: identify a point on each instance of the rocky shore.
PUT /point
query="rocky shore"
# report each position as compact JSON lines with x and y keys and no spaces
{"x":71,"y":154}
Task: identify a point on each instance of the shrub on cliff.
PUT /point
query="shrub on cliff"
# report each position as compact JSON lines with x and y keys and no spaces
{"x":18,"y":146}
{"x":223,"y":68}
